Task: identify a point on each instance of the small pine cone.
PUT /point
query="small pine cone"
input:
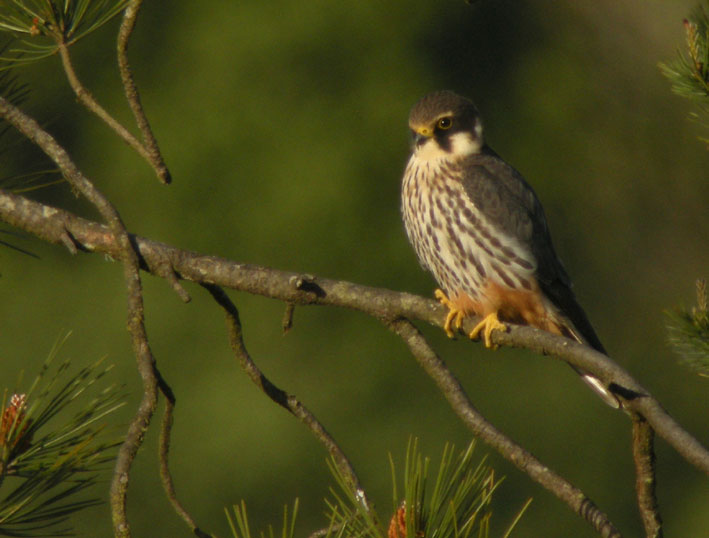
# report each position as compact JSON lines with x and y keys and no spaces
{"x":397,"y":525}
{"x":14,"y":414}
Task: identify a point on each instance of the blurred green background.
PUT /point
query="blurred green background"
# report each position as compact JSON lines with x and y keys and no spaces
{"x":284,"y":126}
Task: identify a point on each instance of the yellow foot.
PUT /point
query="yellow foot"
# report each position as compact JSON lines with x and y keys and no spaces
{"x":453,"y":313}
{"x":486,"y":326}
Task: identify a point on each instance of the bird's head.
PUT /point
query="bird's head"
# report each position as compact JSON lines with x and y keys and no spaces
{"x":445,"y":125}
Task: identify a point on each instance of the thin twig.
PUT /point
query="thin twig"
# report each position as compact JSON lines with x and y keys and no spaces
{"x":481,"y":428}
{"x":168,"y":273}
{"x":86,"y":99}
{"x":644,"y":459}
{"x":141,"y":420}
{"x":287,"y":320}
{"x":288,"y":401}
{"x":130,"y":15}
{"x":163,"y":455}
{"x":50,"y":224}
{"x":135,"y":322}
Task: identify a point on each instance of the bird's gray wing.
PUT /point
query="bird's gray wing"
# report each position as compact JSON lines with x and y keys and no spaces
{"x":510,"y":204}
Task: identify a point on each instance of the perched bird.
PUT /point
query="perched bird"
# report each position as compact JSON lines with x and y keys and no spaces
{"x":478,"y":226}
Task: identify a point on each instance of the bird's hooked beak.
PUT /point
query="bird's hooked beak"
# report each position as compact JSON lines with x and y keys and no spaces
{"x":420,"y":134}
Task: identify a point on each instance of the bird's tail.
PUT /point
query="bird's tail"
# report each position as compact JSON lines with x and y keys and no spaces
{"x":590,"y":338}
{"x":568,"y":316}
{"x":598,"y":386}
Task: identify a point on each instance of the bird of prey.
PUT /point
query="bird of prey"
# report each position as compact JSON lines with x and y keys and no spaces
{"x":479,"y":228}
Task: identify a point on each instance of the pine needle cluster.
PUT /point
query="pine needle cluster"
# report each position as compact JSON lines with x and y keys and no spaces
{"x":240,"y":527}
{"x":688,"y":331}
{"x":49,"y":454}
{"x":41,"y":25}
{"x":689,"y":72}
{"x":457,"y":504}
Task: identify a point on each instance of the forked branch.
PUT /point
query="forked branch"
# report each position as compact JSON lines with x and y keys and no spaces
{"x":55,"y":225}
{"x":524,"y":460}
{"x":152,"y":151}
{"x":62,"y":227}
{"x":135,"y":323}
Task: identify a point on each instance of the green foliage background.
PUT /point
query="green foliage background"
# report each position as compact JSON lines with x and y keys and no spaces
{"x":284,"y":126}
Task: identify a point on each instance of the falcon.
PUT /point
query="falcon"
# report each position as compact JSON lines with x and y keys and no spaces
{"x":479,"y":228}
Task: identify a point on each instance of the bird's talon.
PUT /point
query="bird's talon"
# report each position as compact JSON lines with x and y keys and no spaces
{"x":459,"y":317}
{"x":447,"y":325}
{"x":453,"y":313}
{"x":442,"y":297}
{"x":486,"y":326}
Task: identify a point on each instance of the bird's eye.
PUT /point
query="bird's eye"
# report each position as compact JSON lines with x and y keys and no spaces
{"x":445,"y":123}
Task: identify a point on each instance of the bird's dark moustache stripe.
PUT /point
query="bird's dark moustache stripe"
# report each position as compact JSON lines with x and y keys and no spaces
{"x":444,"y":141}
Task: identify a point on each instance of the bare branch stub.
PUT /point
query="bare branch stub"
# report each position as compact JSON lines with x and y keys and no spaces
{"x":166,"y":271}
{"x":287,"y":320}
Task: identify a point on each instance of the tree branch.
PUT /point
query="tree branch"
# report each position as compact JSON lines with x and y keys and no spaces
{"x":644,"y":459}
{"x":163,"y":456}
{"x":289,"y":402}
{"x":53,"y":225}
{"x":57,"y":226}
{"x":523,"y":460}
{"x":85,"y":98}
{"x":153,"y":154}
{"x":135,"y":322}
{"x":635,"y":398}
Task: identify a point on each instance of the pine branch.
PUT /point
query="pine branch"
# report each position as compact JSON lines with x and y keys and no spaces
{"x":58,"y":226}
{"x":689,"y":72}
{"x":53,"y":27}
{"x":688,"y":332}
{"x":44,"y":24}
{"x":240,"y":527}
{"x":150,"y":148}
{"x":163,"y":456}
{"x":47,"y":462}
{"x":455,"y":502}
{"x":471,"y":417}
